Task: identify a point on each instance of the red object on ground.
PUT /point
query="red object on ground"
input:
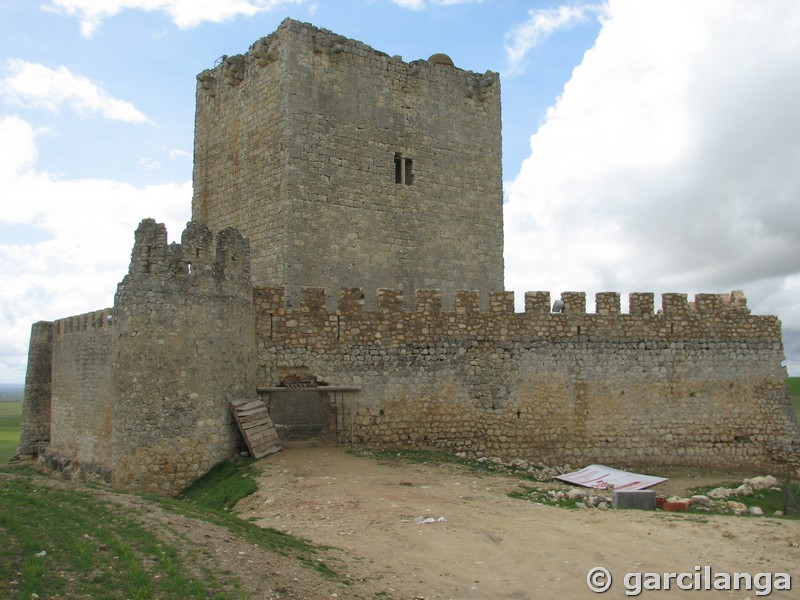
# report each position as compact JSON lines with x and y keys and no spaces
{"x":675,"y":505}
{"x":660,"y":502}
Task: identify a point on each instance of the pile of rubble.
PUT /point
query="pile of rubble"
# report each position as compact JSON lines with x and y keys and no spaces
{"x":535,"y":471}
{"x":718,"y":499}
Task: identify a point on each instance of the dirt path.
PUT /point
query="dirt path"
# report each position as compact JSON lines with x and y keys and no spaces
{"x":490,"y":546}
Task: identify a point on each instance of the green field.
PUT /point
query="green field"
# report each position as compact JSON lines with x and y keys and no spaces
{"x":794,"y":391}
{"x":9,"y":429}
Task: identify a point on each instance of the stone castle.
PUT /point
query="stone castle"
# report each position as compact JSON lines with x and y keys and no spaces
{"x":355,"y":284}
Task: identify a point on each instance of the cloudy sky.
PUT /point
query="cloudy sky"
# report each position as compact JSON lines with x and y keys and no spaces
{"x":649,"y":145}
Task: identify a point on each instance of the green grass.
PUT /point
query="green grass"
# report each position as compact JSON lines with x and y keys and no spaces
{"x":68,"y":543}
{"x":793,"y":383}
{"x":768,"y":500}
{"x":794,"y":386}
{"x":223,"y":486}
{"x":92,"y":548}
{"x":9,"y":429}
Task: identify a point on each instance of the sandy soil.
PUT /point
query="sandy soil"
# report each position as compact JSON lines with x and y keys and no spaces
{"x":490,"y":546}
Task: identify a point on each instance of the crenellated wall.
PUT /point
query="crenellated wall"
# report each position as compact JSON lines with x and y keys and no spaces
{"x":183,"y":347}
{"x":138,"y":395}
{"x":694,"y":383}
{"x":81,"y":395}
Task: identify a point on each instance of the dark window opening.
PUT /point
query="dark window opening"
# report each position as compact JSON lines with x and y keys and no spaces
{"x":403,"y":170}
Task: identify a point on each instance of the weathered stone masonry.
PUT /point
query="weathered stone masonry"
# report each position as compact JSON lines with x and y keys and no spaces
{"x":140,"y":392}
{"x":698,"y":383}
{"x":322,"y":162}
{"x":296,"y":144}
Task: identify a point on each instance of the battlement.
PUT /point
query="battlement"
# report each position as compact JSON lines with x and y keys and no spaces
{"x":95,"y":320}
{"x":389,"y":318}
{"x":464,"y":302}
{"x":227,"y":258}
{"x":231,"y":71}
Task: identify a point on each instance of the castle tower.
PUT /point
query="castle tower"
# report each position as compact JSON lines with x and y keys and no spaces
{"x":183,"y":346}
{"x":347,"y":167}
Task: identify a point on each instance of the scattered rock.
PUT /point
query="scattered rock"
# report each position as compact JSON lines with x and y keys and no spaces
{"x":575,"y":494}
{"x":764,"y":482}
{"x":429,"y":520}
{"x":738,"y":507}
{"x":720,"y":493}
{"x":701,"y":500}
{"x":756,"y":511}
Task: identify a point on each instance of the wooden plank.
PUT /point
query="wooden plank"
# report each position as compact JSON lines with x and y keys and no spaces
{"x":264,"y":444}
{"x":256,"y":426}
{"x":257,"y":423}
{"x":254,"y":436}
{"x":252,"y":411}
{"x":248,"y":405}
{"x":255,"y":416}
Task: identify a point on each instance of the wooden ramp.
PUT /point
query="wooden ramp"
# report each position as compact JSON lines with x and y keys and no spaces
{"x":256,"y":426}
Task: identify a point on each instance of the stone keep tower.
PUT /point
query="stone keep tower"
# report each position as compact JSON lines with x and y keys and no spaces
{"x":347,"y":167}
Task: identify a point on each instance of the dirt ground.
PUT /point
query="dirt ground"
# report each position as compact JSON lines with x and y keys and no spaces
{"x":485,"y":545}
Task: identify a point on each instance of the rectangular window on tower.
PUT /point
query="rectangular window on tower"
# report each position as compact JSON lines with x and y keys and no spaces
{"x":403,"y":170}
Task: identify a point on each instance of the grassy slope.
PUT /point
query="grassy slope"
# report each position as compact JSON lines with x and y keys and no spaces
{"x":9,"y":429}
{"x":70,"y":543}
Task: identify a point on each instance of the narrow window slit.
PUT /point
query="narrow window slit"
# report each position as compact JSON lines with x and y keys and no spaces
{"x":403,"y":170}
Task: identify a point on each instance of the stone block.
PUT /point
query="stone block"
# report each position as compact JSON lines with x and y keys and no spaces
{"x":641,"y":499}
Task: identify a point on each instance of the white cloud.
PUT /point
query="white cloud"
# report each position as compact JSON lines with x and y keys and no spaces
{"x":34,"y":85}
{"x":149,"y":164}
{"x":669,"y":163}
{"x":184,"y":13}
{"x":541,"y":24}
{"x":176,"y":153}
{"x":421,"y":4}
{"x":82,"y":235}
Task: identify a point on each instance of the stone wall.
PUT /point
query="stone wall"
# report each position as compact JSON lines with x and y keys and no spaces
{"x":695,"y":383}
{"x":35,"y":420}
{"x":81,"y":395}
{"x":300,"y":143}
{"x":183,"y":347}
{"x":138,"y":395}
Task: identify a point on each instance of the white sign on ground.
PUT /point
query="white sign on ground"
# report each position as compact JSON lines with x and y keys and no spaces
{"x":601,"y":477}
